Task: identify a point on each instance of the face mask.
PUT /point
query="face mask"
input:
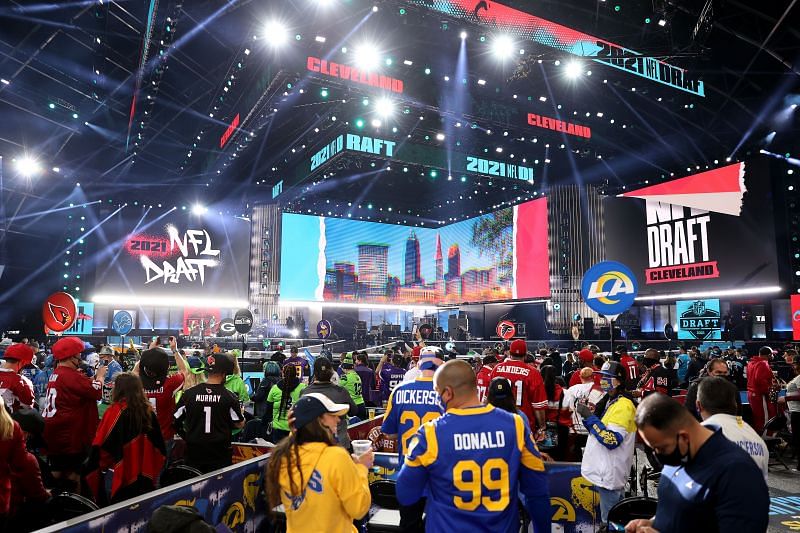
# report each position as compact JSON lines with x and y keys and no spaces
{"x":675,"y":458}
{"x":606,"y":385}
{"x":442,"y":403}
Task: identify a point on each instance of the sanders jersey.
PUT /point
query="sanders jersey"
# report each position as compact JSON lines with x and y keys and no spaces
{"x":15,"y":389}
{"x":163,"y":401}
{"x":391,"y":376}
{"x":484,"y":378}
{"x":411,"y":404}
{"x":70,"y":411}
{"x":470,"y":464}
{"x":210,"y":412}
{"x":529,"y":393}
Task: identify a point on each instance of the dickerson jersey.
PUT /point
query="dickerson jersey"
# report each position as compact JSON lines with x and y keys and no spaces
{"x":470,"y":462}
{"x":411,"y":404}
{"x":529,"y":393}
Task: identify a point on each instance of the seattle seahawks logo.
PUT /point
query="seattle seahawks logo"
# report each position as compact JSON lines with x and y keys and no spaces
{"x":59,"y":313}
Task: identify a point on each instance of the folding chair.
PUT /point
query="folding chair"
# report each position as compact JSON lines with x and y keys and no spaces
{"x":776,"y":436}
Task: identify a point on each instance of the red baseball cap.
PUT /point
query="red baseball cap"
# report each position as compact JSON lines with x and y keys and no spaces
{"x":67,"y":347}
{"x":586,"y":355}
{"x":518,"y":347}
{"x":19,"y":352}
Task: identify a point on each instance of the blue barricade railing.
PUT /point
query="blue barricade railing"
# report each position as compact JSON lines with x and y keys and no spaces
{"x":233,"y":497}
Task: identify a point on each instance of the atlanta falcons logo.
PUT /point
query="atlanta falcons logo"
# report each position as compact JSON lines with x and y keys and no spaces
{"x":59,"y":313}
{"x":506,"y":329}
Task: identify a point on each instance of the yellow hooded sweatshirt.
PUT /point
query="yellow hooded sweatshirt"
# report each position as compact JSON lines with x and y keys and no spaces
{"x":336,"y":491}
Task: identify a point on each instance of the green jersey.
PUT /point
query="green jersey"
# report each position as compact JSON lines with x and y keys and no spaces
{"x":281,"y":420}
{"x":351,"y":382}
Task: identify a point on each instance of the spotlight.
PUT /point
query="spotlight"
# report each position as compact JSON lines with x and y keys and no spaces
{"x":662,"y":22}
{"x":463,"y":35}
{"x":384,"y":107}
{"x":440,"y":136}
{"x":367,"y":57}
{"x":573,"y":69}
{"x":28,"y":166}
{"x":199,"y":209}
{"x":503,"y":47}
{"x":276,"y":33}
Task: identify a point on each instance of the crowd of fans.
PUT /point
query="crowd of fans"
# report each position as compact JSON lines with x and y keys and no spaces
{"x":472,"y":433}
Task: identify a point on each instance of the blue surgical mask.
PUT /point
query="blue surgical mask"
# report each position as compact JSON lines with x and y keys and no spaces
{"x":442,"y":403}
{"x":606,"y":384}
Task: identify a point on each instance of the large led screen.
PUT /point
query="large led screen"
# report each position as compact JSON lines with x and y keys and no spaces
{"x":708,"y":231}
{"x":499,"y":256}
{"x":176,"y":254}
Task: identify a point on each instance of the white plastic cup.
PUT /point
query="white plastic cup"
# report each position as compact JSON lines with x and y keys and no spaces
{"x":360,"y":447}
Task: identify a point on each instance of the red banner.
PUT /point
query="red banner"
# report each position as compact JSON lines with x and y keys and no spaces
{"x":370,"y":429}
{"x":796,"y":317}
{"x":682,"y":272}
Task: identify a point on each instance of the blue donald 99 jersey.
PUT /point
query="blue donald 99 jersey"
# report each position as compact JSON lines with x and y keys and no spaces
{"x":472,"y":464}
{"x":410,"y":405}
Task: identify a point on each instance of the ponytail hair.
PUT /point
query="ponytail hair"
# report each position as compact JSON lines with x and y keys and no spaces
{"x":285,"y":460}
{"x":287,"y":385}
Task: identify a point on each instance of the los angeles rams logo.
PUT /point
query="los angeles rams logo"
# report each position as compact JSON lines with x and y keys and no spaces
{"x":609,"y":288}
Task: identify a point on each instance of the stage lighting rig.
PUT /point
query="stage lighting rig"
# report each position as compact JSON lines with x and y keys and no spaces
{"x":27,"y":166}
{"x":573,"y":69}
{"x":276,"y":33}
{"x":367,"y":57}
{"x":503,"y":47}
{"x":385,"y":107}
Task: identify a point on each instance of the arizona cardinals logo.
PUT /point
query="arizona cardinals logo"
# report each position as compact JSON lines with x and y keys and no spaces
{"x":59,"y":313}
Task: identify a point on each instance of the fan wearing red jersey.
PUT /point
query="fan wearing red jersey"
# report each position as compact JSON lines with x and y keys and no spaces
{"x":529,"y":392}
{"x":160,"y":388}
{"x":70,"y":411}
{"x":15,"y":389}
{"x":484,"y":376}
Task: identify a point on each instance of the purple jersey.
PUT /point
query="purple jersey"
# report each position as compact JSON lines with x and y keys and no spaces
{"x":301,"y":364}
{"x":391,"y":376}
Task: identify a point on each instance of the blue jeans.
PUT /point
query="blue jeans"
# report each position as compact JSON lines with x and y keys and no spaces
{"x":608,"y":498}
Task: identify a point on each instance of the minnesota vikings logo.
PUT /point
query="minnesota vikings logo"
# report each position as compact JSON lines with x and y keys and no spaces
{"x":59,"y":313}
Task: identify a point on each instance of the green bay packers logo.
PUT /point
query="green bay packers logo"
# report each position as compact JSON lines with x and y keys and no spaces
{"x":609,"y":288}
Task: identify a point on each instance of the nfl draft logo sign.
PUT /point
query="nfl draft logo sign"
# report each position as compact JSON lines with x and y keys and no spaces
{"x":609,"y":288}
{"x":59,"y":312}
{"x":698,"y":319}
{"x":506,"y":329}
{"x":795,"y":301}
